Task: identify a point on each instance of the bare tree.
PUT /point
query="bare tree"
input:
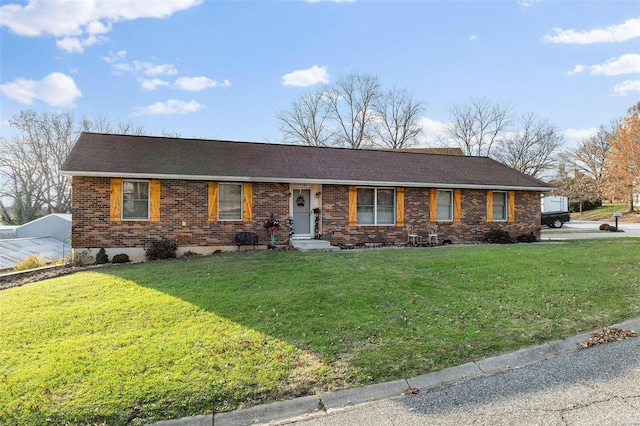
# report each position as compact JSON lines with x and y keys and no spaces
{"x":101,"y":124}
{"x":590,"y":156}
{"x":398,"y":119}
{"x":308,"y":120}
{"x":30,"y":162}
{"x":169,"y":134}
{"x":21,"y":183}
{"x":351,"y":100}
{"x":353,"y":113}
{"x":35,"y":157}
{"x":477,"y":125}
{"x":579,"y":187}
{"x":532,"y":148}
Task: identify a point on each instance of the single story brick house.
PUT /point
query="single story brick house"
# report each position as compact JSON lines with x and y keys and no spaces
{"x":129,"y":190}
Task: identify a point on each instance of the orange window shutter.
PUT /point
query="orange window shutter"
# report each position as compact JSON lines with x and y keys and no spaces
{"x":457,"y":205}
{"x":433,"y":205}
{"x":115,"y":200}
{"x":400,"y":206}
{"x":489,"y":206}
{"x":353,"y":206}
{"x":511,"y":206}
{"x":212,"y":214}
{"x":154,"y":201}
{"x":247,"y":202}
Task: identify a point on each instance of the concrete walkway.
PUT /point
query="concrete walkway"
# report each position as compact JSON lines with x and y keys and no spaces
{"x":552,"y":384}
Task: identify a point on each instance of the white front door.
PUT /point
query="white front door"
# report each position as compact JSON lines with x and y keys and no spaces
{"x":301,"y":212}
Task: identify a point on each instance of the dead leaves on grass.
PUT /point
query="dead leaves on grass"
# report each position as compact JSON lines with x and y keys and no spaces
{"x":606,"y":335}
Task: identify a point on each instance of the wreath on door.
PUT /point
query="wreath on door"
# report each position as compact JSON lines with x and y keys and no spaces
{"x":300,"y":200}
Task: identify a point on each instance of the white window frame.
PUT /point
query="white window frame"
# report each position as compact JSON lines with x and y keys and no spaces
{"x":123,"y":203}
{"x":375,"y":207}
{"x":504,"y":216}
{"x":220,"y":215}
{"x":449,"y":217}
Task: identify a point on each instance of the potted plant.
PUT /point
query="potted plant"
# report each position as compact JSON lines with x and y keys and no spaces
{"x":272,"y":226}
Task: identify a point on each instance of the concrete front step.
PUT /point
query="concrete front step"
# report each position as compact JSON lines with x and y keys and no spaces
{"x":313,"y":245}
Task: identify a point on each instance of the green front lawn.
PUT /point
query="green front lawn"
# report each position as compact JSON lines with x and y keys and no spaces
{"x":144,"y":342}
{"x":605,"y":213}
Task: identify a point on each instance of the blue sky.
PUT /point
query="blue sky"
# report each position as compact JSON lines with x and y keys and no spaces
{"x":222,"y":69}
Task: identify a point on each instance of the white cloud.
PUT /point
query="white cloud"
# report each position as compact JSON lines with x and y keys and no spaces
{"x":78,"y":19}
{"x":304,"y":78}
{"x":195,"y":84}
{"x":146,"y":68}
{"x":150,"y":69}
{"x":628,"y":30}
{"x":576,"y":135}
{"x":431,"y":129}
{"x":627,"y":86}
{"x":97,"y":27}
{"x":115,"y":57}
{"x":473,"y":37}
{"x":56,"y":89}
{"x":527,"y":3}
{"x":576,"y":70}
{"x":137,"y":68}
{"x":153,"y":84}
{"x":171,"y":107}
{"x":77,"y":45}
{"x":625,"y":64}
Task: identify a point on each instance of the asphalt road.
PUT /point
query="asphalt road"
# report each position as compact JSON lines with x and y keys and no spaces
{"x":586,"y":229}
{"x":594,"y":386}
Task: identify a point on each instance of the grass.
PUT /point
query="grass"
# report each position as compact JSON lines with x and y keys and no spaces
{"x":139,"y":343}
{"x":605,"y":213}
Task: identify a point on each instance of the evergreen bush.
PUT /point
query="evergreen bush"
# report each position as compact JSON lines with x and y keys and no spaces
{"x":102,"y":257}
{"x":120,"y":258}
{"x":161,"y":249}
{"x":498,"y":236}
{"x":586,"y":205}
{"x":527,"y":238}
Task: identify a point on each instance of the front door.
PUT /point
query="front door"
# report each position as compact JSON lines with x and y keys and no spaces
{"x":301,"y":212}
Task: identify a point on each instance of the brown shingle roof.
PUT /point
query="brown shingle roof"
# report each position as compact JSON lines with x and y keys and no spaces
{"x":160,"y":157}
{"x":444,"y":150}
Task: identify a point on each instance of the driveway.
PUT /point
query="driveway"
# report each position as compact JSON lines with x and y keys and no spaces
{"x":581,"y":229}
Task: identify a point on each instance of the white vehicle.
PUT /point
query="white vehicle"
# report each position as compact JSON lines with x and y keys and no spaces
{"x":555,"y":211}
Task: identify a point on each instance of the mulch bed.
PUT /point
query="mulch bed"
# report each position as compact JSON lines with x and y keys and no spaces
{"x":16,"y":280}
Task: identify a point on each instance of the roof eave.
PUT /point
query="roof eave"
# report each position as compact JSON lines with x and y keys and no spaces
{"x":306,"y":181}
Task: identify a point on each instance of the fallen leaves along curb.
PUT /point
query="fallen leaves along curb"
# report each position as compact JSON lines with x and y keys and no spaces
{"x":606,"y":335}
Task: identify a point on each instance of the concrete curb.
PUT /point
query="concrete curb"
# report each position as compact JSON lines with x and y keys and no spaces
{"x":311,"y":406}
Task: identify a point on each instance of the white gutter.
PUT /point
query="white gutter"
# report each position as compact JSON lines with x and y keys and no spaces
{"x":302,"y":181}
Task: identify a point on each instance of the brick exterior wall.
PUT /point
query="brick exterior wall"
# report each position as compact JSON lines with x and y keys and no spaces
{"x":186,"y":201}
{"x":471,"y":228}
{"x":180,"y":201}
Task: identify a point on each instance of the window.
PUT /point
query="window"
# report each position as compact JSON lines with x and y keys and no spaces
{"x":230,"y":201}
{"x":135,"y":200}
{"x":499,"y":205}
{"x":376,"y":206}
{"x":444,"y":209}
